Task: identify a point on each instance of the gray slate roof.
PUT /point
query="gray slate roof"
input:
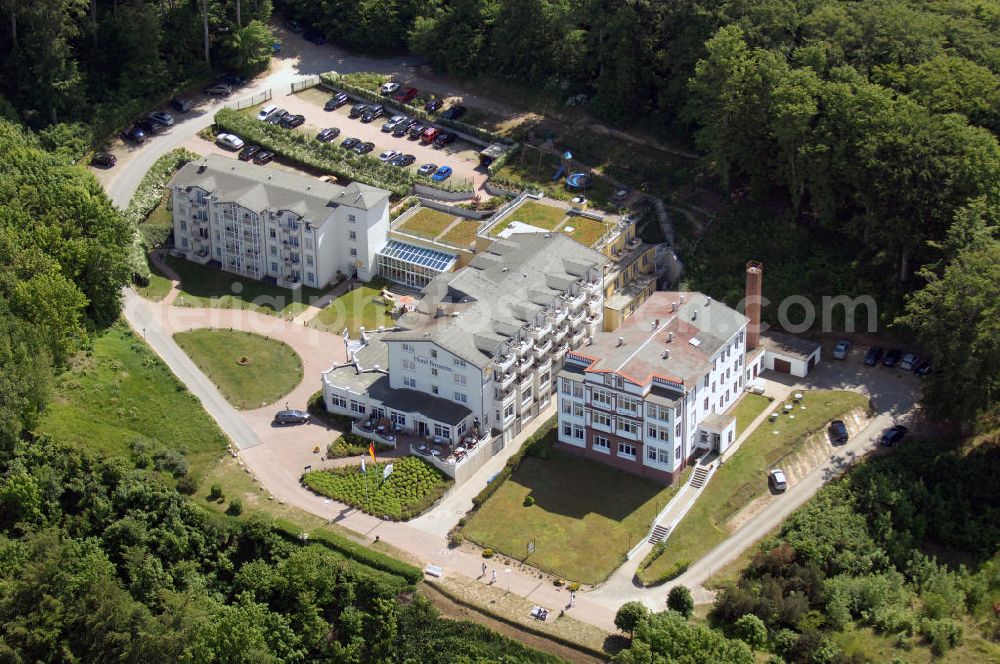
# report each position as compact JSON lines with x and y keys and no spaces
{"x":258,"y":188}
{"x":502,"y":288}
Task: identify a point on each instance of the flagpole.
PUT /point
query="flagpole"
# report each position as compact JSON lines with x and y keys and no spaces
{"x":365,"y":473}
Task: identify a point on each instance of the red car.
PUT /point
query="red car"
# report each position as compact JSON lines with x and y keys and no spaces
{"x":406,"y":95}
{"x":429,"y":135}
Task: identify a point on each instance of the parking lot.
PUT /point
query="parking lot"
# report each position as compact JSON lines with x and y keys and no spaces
{"x":461,"y":156}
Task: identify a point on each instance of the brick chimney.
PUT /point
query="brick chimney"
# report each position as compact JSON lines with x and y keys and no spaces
{"x":751,"y":309}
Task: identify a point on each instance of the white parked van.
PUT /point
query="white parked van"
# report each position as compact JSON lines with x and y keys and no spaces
{"x":266,"y":112}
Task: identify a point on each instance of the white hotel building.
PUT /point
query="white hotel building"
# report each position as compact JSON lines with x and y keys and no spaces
{"x":262,"y":222}
{"x":480,"y":350}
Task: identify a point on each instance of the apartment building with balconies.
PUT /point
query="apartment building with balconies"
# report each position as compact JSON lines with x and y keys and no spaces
{"x":266,"y":223}
{"x":657,"y":391}
{"x":629,"y":278}
{"x":488,"y":338}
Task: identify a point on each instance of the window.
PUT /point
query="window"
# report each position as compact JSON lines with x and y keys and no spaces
{"x":577,"y":410}
{"x":408,"y":348}
{"x":459,"y":378}
{"x":543,"y":380}
{"x":567,"y":430}
{"x":274,"y":250}
{"x":651,"y":453}
{"x":567,"y":407}
{"x":351,"y":235}
{"x":434,"y":372}
{"x":601,"y":444}
{"x":705,"y":405}
{"x":184,"y":242}
{"x":338,"y":401}
{"x":577,"y":391}
{"x":310,"y":277}
{"x":629,"y":405}
{"x":354,"y":252}
{"x":309,"y":245}
{"x":409,"y":382}
{"x":398,"y":418}
{"x":603,"y":398}
{"x":459,"y":362}
{"x":461,"y":398}
{"x":625,"y":450}
{"x":508,"y":412}
{"x":578,"y":432}
{"x":351,"y":218}
{"x":664,"y":455}
{"x":567,"y":386}
{"x":357,"y":407}
{"x":600,"y":419}
{"x":309,"y":259}
{"x":677,"y":430}
{"x":443,"y":431}
{"x":434,"y":353}
{"x":677,"y":453}
{"x":409,"y":365}
{"x":184,"y":225}
{"x":527,"y":395}
{"x":706,"y":380}
{"x":434,"y":389}
{"x":627,"y":426}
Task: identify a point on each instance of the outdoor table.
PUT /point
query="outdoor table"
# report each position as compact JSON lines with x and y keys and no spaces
{"x":798,"y":396}
{"x":391,"y":438}
{"x":380,"y":428}
{"x":450,"y":460}
{"x":460,"y":450}
{"x":436,"y":453}
{"x":438,"y":440}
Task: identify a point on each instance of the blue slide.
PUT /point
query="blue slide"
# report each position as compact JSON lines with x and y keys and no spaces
{"x":559,"y":172}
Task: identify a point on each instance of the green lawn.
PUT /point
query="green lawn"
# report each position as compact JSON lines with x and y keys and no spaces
{"x":749,"y":407}
{"x":161,"y":215}
{"x":743,"y":477}
{"x":427,"y":223}
{"x":274,"y":369}
{"x":585,"y":231}
{"x":536,"y":214}
{"x":158,"y":286}
{"x":462,"y":234}
{"x":361,"y":307}
{"x":585,"y":517}
{"x":864,"y":643}
{"x":527,"y":171}
{"x":206,"y":286}
{"x":120,"y":393}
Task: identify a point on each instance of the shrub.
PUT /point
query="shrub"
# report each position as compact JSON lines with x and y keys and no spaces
{"x":751,"y":630}
{"x":215,"y":493}
{"x":558,"y":583}
{"x":573,"y":587}
{"x":171,"y":461}
{"x":529,"y":501}
{"x":679,"y":599}
{"x":487,"y":553}
{"x":630,"y":615}
{"x":235,"y":507}
{"x":941,"y":634}
{"x":317,"y":410}
{"x":455,"y":538}
{"x":668,"y":574}
{"x":187,"y":485}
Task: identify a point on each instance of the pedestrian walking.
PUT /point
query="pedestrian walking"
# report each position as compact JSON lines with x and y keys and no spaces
{"x":494,"y":577}
{"x":484,"y":571}
{"x":572,"y":599}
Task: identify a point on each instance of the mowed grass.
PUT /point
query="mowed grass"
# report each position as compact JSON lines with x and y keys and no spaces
{"x":533,"y":213}
{"x":207,"y":286}
{"x":865,"y":643}
{"x":120,"y":393}
{"x":361,"y":307}
{"x":585,"y":231}
{"x":743,"y":477}
{"x":158,"y":287}
{"x":749,"y":407}
{"x":427,"y":223}
{"x":585,"y":517}
{"x":462,"y":234}
{"x":273,"y":371}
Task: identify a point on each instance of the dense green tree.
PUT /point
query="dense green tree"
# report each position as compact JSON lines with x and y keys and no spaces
{"x":679,"y":599}
{"x":668,"y":637}
{"x":751,"y":630}
{"x":630,"y":615}
{"x":248,"y":49}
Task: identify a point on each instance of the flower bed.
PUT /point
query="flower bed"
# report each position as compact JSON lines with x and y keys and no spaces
{"x":413,"y":487}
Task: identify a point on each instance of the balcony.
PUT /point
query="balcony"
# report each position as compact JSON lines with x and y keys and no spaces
{"x":525,"y":365}
{"x":542,"y":350}
{"x":577,"y":300}
{"x":541,"y":331}
{"x":503,"y":363}
{"x":522,"y":347}
{"x":544,"y":367}
{"x":507,"y":397}
{"x":592,"y":287}
{"x":559,"y":315}
{"x":576,"y":320}
{"x":577,"y":338}
{"x":505,"y":380}
{"x":594,"y":304}
{"x":560,"y":353}
{"x":560,"y":333}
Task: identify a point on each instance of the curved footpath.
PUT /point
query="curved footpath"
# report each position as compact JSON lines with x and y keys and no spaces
{"x":276,"y":456}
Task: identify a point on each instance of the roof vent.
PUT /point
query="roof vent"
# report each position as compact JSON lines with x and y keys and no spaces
{"x":439,"y":312}
{"x":682,"y":298}
{"x":708,"y":302}
{"x":670,"y":337}
{"x":375,"y":367}
{"x":201,"y":169}
{"x":656,"y":324}
{"x":673,"y":307}
{"x":694,"y":315}
{"x":621,"y":341}
{"x":427,"y":335}
{"x":665,"y":355}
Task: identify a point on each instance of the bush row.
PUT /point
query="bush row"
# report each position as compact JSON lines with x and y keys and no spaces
{"x":306,"y":151}
{"x":342,"y":83}
{"x":351,"y":444}
{"x":354,"y":551}
{"x":538,"y":444}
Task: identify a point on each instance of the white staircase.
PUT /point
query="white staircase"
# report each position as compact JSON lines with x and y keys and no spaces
{"x":699,"y":476}
{"x":659,"y":534}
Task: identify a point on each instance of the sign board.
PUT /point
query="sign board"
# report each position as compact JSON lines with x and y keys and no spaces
{"x":531,"y":547}
{"x":386,"y":471}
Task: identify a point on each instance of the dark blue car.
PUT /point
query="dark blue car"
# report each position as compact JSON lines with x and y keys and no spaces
{"x":314,"y":36}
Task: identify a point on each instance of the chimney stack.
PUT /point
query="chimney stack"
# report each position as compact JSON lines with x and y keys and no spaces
{"x":439,"y":312}
{"x":670,"y":337}
{"x":751,"y":309}
{"x":621,"y":341}
{"x":656,"y":324}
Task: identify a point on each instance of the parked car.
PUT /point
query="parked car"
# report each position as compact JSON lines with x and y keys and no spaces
{"x":841,"y":349}
{"x":267,"y":112}
{"x":908,"y":362}
{"x":433,"y":105}
{"x":335,"y":102}
{"x":218,"y":90}
{"x":444,"y":139}
{"x":277,"y":116}
{"x":350,"y":142}
{"x":294,"y":26}
{"x":374,"y":111}
{"x":923,"y":369}
{"x":161,"y":117}
{"x":392,"y":122}
{"x":276,"y":46}
{"x":151,"y":128}
{"x":838,"y":432}
{"x":403,"y":128}
{"x":328,"y":134}
{"x":873,"y":355}
{"x":892,"y":357}
{"x":416,"y":130}
{"x":893,"y":435}
{"x":427,"y":170}
{"x":776,"y":478}
{"x":292,"y":121}
{"x":453,"y":112}
{"x":135,"y":135}
{"x":358,"y":110}
{"x":234,"y":80}
{"x":389,"y":88}
{"x":388,"y":155}
{"x":364,"y":148}
{"x":248,"y":153}
{"x":406,"y":95}
{"x":442,"y":174}
{"x":103,"y":159}
{"x":429,"y":135}
{"x":230,"y":141}
{"x":403,"y":160}
{"x":314,"y":36}
{"x":180,"y":104}
{"x":263,"y":157}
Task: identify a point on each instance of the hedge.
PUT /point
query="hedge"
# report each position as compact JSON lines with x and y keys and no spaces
{"x":354,"y":551}
{"x":537,"y":444}
{"x":306,"y":151}
{"x":317,"y":409}
{"x":340,"y":83}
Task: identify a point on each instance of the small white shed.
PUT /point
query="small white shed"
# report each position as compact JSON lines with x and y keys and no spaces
{"x":786,"y":353}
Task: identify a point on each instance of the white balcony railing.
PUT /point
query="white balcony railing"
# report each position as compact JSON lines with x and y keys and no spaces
{"x":523,"y":347}
{"x":577,"y":338}
{"x":540,"y":331}
{"x":560,"y":352}
{"x":506,"y":380}
{"x":525,"y":365}
{"x":560,"y":333}
{"x":559,"y":315}
{"x":594,"y":305}
{"x":577,"y":301}
{"x":542,"y":350}
{"x":504,"y":362}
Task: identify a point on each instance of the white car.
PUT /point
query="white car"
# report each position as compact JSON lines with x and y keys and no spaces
{"x":777,"y":480}
{"x":161,"y":117}
{"x":388,"y":155}
{"x":230,"y":141}
{"x":267,"y":112}
{"x":388,"y":88}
